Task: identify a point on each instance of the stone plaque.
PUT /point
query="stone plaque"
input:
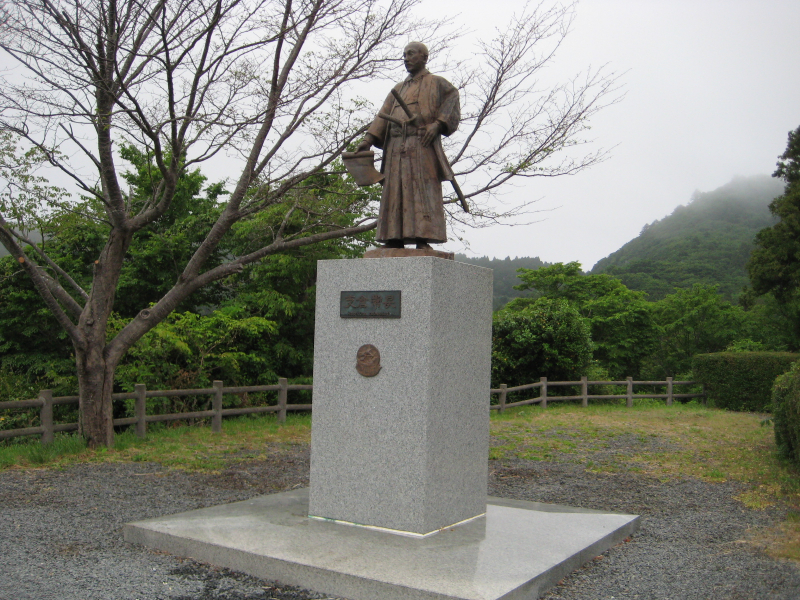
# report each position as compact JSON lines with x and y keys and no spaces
{"x":385,"y":304}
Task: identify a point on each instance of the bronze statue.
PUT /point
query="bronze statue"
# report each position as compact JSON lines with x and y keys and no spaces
{"x":409,"y":126}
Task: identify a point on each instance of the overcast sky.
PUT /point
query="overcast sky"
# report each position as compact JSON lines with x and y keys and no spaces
{"x":713,"y":88}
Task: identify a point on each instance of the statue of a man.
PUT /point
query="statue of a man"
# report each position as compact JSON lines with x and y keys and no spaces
{"x":414,"y":164}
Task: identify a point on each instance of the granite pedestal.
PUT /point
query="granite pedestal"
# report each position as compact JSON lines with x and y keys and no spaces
{"x":407,"y":449}
{"x":515,"y":552}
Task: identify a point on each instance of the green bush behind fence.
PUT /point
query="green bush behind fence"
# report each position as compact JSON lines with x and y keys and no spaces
{"x":741,"y":380}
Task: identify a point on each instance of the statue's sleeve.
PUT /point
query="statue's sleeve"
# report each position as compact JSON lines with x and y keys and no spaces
{"x":449,"y":110}
{"x":378,"y":127}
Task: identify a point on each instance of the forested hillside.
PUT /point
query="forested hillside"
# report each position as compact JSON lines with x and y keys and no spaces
{"x":708,"y":241}
{"x":505,"y":275}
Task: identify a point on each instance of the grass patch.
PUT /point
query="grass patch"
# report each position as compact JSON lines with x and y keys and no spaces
{"x":782,"y":541}
{"x":664,"y":442}
{"x":193,"y":448}
{"x":30,"y":452}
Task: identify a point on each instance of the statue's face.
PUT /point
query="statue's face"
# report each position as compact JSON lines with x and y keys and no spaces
{"x":414,"y":59}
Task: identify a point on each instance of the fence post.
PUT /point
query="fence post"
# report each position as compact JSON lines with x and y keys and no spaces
{"x":543,"y":392}
{"x":216,"y":406}
{"x":669,"y":391}
{"x":584,"y":391}
{"x":503,"y":393}
{"x":629,"y":401}
{"x":46,"y":416}
{"x":283,"y":394}
{"x":141,"y":409}
{"x":705,"y":397}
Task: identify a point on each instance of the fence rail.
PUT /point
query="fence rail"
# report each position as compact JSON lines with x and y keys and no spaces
{"x":543,"y":384}
{"x":48,"y":428}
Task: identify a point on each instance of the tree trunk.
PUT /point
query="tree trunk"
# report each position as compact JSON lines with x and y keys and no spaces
{"x":95,"y":365}
{"x":95,"y":385}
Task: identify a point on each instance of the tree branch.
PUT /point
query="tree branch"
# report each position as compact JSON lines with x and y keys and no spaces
{"x":40,"y":283}
{"x":61,"y":272}
{"x":150,"y":317}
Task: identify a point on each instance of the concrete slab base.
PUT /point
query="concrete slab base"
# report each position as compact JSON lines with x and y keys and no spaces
{"x":517,"y":551}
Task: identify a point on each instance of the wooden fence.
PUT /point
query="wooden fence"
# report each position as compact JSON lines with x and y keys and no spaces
{"x":585,"y":396}
{"x":46,"y":401}
{"x":47,"y":429}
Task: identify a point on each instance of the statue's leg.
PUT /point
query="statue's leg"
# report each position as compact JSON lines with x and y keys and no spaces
{"x":426,"y":208}
{"x":390,"y":217}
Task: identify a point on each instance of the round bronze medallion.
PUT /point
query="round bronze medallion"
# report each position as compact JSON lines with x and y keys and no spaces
{"x":368,"y":360}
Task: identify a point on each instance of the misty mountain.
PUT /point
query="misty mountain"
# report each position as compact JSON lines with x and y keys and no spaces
{"x":709,"y":240}
{"x":505,"y":275}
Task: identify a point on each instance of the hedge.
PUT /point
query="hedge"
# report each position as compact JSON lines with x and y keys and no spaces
{"x":786,"y":413}
{"x":741,"y":380}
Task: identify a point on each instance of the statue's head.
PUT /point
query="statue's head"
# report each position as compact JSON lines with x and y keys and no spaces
{"x":415,"y":56}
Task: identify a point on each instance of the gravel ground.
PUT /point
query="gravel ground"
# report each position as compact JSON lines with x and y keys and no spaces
{"x":61,"y":533}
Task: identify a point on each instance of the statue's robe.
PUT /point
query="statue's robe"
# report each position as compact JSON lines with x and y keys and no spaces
{"x":411,"y":203}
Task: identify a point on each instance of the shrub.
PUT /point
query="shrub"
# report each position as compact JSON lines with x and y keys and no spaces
{"x":786,"y":413}
{"x":741,"y":380}
{"x":548,"y":338}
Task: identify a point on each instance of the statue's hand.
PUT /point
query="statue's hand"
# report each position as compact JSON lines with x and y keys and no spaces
{"x":431,"y":131}
{"x":364,"y":145}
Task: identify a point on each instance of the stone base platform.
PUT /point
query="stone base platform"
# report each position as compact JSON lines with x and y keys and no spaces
{"x":517,"y":551}
{"x":407,"y":253}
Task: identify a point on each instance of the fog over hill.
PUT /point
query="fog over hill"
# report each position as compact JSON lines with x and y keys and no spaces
{"x":505,"y":274}
{"x":708,"y":240}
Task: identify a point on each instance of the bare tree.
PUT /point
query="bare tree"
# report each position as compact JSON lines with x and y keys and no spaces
{"x":191,"y":79}
{"x":513,"y":125}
